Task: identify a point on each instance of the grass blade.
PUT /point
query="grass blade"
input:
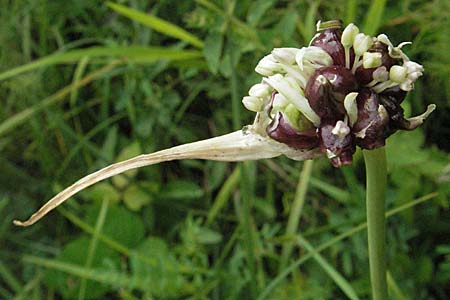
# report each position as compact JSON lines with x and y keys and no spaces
{"x":24,"y":115}
{"x":110,"y":277}
{"x":224,"y":195}
{"x":351,"y":11}
{"x":9,"y":278}
{"x":374,"y":16}
{"x":157,"y":24}
{"x":296,"y":211}
{"x":93,"y":245}
{"x":343,"y":284}
{"x":136,"y":54}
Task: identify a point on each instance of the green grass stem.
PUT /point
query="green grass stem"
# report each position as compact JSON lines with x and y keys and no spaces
{"x":93,"y":245}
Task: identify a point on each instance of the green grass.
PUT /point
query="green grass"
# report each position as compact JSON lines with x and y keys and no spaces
{"x":84,"y":80}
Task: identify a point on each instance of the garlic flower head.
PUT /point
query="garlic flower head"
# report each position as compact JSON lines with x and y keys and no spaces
{"x":343,"y":90}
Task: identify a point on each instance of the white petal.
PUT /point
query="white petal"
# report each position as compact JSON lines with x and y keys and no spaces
{"x":371,"y":60}
{"x":380,"y":74}
{"x":254,"y":104}
{"x":268,"y":66}
{"x":348,"y":35}
{"x":260,"y":90}
{"x":362,"y":43}
{"x":312,"y":57}
{"x":285,"y":55}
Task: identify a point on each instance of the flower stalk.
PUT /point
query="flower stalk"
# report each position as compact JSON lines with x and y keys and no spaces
{"x":375,"y":161}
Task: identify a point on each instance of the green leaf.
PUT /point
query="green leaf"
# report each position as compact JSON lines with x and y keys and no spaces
{"x":135,"y":198}
{"x":120,"y":225}
{"x":21,"y":117}
{"x":135,"y":54}
{"x":103,"y":191}
{"x":157,"y":24}
{"x":257,"y":10}
{"x":213,"y":50}
{"x":75,"y":253}
{"x":162,"y":278}
{"x":181,"y":190}
{"x":287,"y":25}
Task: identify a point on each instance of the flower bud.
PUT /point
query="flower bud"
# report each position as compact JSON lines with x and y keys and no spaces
{"x":380,"y":74}
{"x":362,"y":43}
{"x":414,"y":71}
{"x":398,"y":74}
{"x":268,"y":66}
{"x":254,"y":104}
{"x":312,"y":57}
{"x":285,"y":55}
{"x":371,"y":60}
{"x":348,"y":35}
{"x":260,"y":90}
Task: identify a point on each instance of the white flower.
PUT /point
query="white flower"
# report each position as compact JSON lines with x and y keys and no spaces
{"x":285,"y":55}
{"x":348,"y":35}
{"x":362,"y":43}
{"x":371,"y":59}
{"x":398,"y":74}
{"x":380,"y":74}
{"x":260,"y":90}
{"x":268,"y":66}
{"x":288,"y":87}
{"x":312,"y":57}
{"x":414,"y":71}
{"x":254,"y":104}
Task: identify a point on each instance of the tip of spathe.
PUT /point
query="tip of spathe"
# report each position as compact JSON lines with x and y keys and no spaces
{"x":20,"y":223}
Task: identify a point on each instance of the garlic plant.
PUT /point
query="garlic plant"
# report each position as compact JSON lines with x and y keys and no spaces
{"x":342,"y":91}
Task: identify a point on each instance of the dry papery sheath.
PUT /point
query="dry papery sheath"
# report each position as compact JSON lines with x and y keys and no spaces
{"x":342,"y":91}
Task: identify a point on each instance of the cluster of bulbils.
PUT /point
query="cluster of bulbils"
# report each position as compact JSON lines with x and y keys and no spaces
{"x":344,"y":90}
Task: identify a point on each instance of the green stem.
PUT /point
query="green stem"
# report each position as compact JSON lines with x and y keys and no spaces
{"x":375,"y":197}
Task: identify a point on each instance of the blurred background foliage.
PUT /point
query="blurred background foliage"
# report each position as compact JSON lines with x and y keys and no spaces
{"x":87,"y":83}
